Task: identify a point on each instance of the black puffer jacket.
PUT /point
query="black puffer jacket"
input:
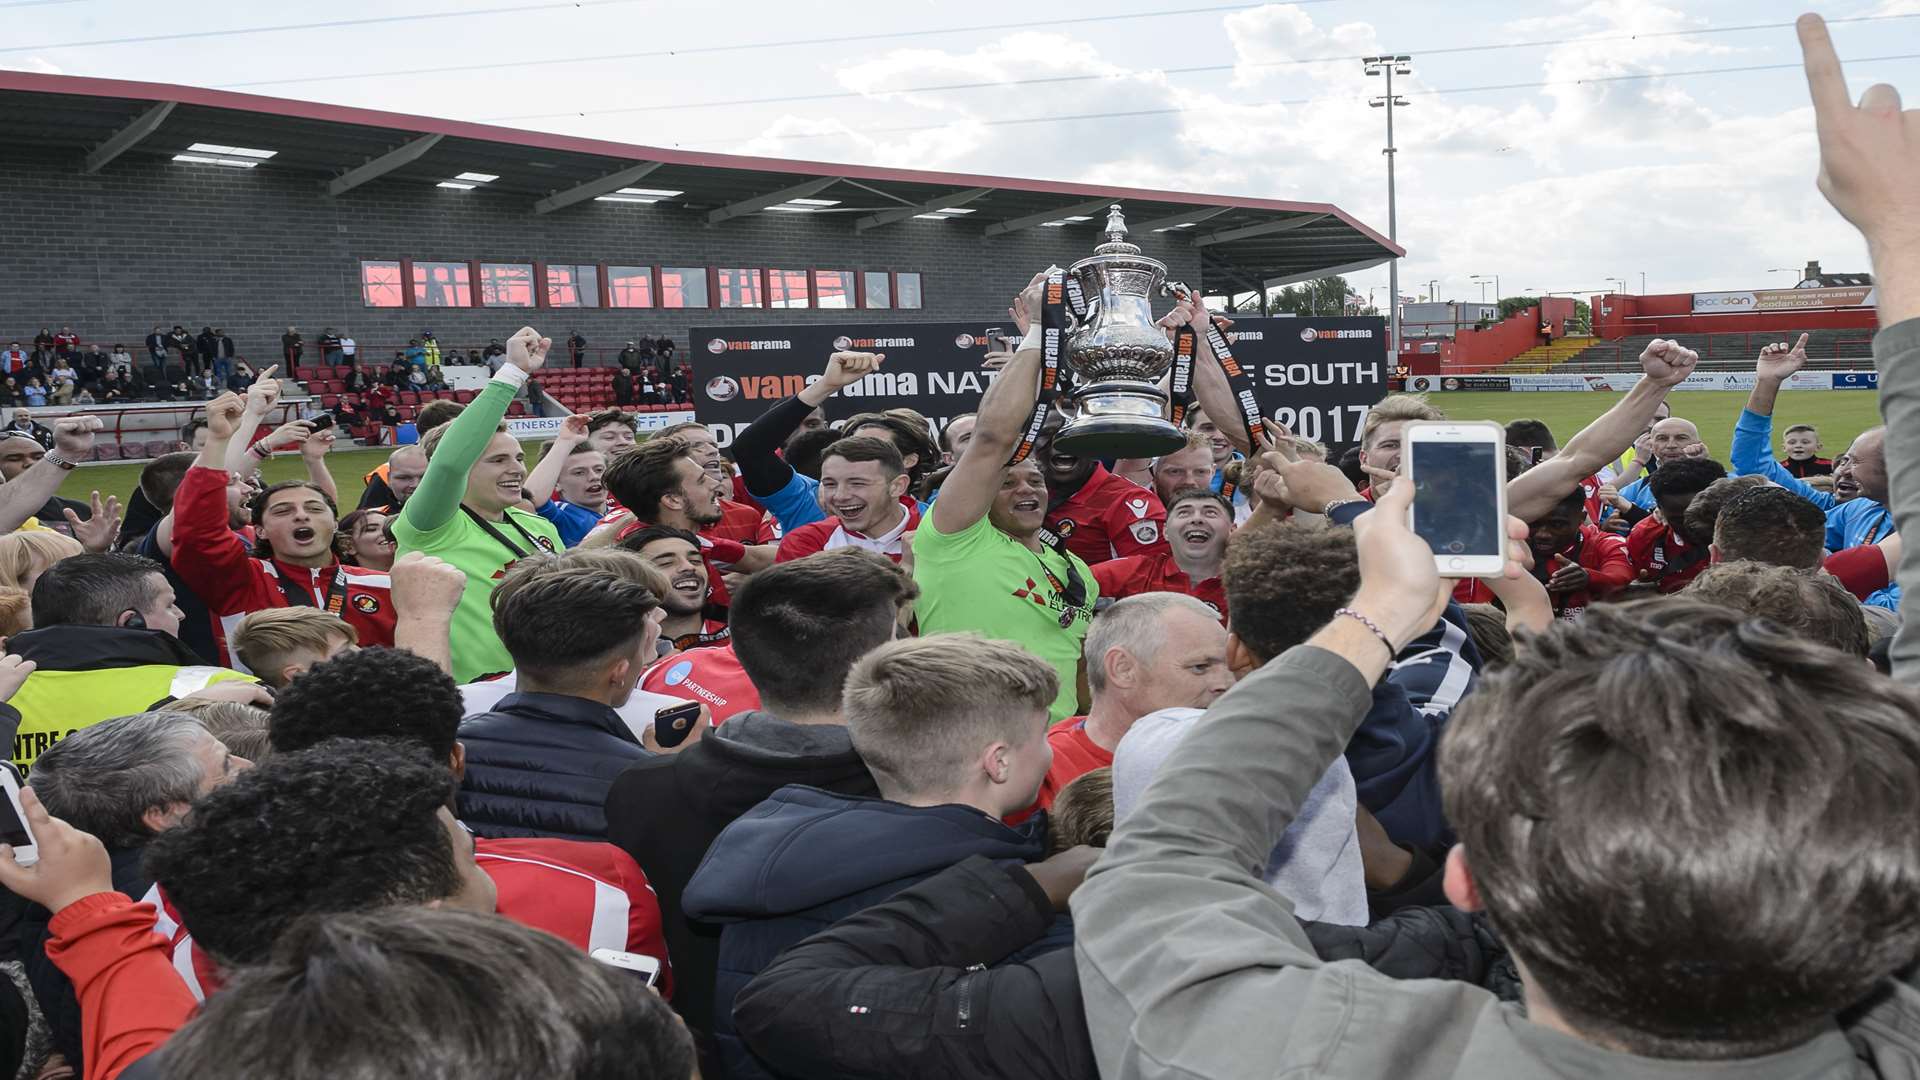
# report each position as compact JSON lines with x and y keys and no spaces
{"x":541,"y":765}
{"x":896,"y":990}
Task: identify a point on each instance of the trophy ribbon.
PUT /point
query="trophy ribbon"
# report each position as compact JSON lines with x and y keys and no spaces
{"x":1053,"y":328}
{"x":1239,"y":380}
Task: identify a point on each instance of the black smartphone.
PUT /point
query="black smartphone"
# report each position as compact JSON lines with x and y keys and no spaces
{"x":672,"y":725}
{"x":321,"y":422}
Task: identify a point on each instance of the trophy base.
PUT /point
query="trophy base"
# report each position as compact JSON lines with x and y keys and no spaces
{"x":1125,"y":423}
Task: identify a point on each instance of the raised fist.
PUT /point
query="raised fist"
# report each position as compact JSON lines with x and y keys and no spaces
{"x":846,"y":368}
{"x":223,"y":415}
{"x":527,"y":350}
{"x":73,"y":436}
{"x":1667,"y":362}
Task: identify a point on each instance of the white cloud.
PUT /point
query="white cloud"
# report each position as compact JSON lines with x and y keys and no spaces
{"x":33,"y":64}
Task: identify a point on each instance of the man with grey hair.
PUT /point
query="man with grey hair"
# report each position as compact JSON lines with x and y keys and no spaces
{"x":124,"y":780}
{"x":953,"y":727}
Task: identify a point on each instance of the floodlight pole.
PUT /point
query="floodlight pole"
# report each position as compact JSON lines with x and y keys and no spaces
{"x":1390,"y":66}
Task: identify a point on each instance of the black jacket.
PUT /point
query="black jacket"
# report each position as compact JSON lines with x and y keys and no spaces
{"x":898,"y":989}
{"x":206,"y":345}
{"x":541,"y":764}
{"x":665,"y":812}
{"x":51,"y":985}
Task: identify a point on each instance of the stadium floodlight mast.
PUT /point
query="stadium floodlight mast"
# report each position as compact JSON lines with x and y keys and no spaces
{"x":1484,"y":278}
{"x":1621,"y":282}
{"x":1389,"y":66}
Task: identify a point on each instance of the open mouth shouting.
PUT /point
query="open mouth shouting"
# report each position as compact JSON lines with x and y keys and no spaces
{"x":1197,"y":534}
{"x":687,"y":583}
{"x":304,"y":534}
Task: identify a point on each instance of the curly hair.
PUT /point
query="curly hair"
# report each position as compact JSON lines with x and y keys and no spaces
{"x":1284,"y":581}
{"x":350,"y":825}
{"x":411,"y":698}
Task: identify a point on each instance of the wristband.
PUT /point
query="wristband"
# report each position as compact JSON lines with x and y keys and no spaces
{"x":260,"y":450}
{"x":55,"y":457}
{"x":1034,"y":339}
{"x":1370,"y":625}
{"x":512,"y":375}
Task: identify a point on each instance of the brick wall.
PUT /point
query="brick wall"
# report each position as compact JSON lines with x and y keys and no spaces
{"x":149,"y":241}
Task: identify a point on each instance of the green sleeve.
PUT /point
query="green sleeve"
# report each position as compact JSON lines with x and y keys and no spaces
{"x":437,"y":499}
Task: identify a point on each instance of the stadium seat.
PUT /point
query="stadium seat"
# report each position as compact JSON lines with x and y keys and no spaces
{"x":463,"y":396}
{"x":409,"y":397}
{"x":106,"y":452}
{"x":517,"y":409}
{"x":330,"y":401}
{"x":156,"y":447}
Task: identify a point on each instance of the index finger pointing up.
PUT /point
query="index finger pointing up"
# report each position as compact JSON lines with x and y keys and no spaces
{"x":1824,"y":78}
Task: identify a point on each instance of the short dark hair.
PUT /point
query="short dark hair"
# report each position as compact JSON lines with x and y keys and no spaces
{"x":1770,"y":525}
{"x":103,"y":779}
{"x":1204,"y":495}
{"x":162,"y":477}
{"x":349,"y":825}
{"x":804,"y":451}
{"x":1670,"y":810}
{"x":946,"y":433}
{"x":562,"y":618}
{"x":858,"y":448}
{"x":261,"y":547}
{"x":436,"y":413}
{"x":1705,"y":508}
{"x":644,"y":474}
{"x":908,"y":437}
{"x":418,"y":703}
{"x":94,"y":589}
{"x":1685,"y":476}
{"x":640,"y":538}
{"x":456,"y":993}
{"x":799,"y":626}
{"x":607,"y":418}
{"x":1530,"y":432}
{"x":1285,"y":580}
{"x":1804,"y":601}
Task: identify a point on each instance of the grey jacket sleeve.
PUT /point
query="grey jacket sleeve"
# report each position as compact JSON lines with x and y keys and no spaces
{"x":1896,"y":354}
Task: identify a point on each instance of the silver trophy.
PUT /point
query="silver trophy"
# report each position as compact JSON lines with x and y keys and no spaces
{"x":1118,"y":355}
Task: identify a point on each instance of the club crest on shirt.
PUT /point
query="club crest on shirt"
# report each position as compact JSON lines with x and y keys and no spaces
{"x":1139,"y":508}
{"x":1145,"y":531}
{"x":366,"y":604}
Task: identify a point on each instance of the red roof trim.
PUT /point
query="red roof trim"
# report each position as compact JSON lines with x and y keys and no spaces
{"x":81,"y":86}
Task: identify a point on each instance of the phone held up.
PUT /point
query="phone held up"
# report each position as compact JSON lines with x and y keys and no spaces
{"x":672,"y":724}
{"x":1459,"y":477}
{"x":13,"y":820}
{"x":646,"y":967}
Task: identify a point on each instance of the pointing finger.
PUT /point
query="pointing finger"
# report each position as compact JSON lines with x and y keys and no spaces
{"x":1824,"y":78}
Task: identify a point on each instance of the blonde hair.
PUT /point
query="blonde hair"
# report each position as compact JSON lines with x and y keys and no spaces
{"x":1082,"y":812}
{"x":920,"y":710}
{"x":16,"y":611}
{"x":241,"y":728}
{"x":1397,"y":407}
{"x":265,"y":639}
{"x":25,"y":554}
{"x":1307,"y":448}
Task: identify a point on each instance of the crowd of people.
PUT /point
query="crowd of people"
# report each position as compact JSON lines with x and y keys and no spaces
{"x":867,"y":753}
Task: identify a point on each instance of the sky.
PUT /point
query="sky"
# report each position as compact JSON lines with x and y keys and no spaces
{"x":1528,"y":149}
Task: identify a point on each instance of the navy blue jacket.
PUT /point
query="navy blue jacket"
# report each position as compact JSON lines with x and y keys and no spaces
{"x":541,"y":764}
{"x":805,"y":859}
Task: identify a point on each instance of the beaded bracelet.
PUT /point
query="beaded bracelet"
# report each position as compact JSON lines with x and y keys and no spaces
{"x":1371,"y":625}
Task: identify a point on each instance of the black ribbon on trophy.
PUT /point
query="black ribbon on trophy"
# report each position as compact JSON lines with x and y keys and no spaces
{"x":1055,"y":299}
{"x":1239,"y":379}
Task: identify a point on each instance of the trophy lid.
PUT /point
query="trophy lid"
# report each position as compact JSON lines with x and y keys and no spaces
{"x":1117,"y":252}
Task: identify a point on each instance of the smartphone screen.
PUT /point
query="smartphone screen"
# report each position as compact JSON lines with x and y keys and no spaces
{"x":1456,"y":496}
{"x":12,"y":830}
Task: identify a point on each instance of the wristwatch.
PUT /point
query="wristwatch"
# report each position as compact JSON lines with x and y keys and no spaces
{"x":1338,"y":503}
{"x":55,"y":457}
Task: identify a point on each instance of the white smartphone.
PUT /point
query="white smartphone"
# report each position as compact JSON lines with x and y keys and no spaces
{"x":647,"y":967}
{"x":1459,"y":477}
{"x":13,"y":821}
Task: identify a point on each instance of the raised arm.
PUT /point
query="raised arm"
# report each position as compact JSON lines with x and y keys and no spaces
{"x":24,"y":495}
{"x":437,"y":499}
{"x":968,"y":492}
{"x":546,"y":475}
{"x":243,"y":454}
{"x":313,"y":452}
{"x":1210,"y":389}
{"x":1535,"y":491}
{"x":426,"y":591}
{"x":207,"y":555}
{"x":1752,"y":451}
{"x":755,"y":450}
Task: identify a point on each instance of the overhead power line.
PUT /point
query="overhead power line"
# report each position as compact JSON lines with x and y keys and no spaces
{"x":1175,"y":110}
{"x":380,"y":20}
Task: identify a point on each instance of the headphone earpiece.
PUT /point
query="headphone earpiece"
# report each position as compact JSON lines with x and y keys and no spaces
{"x":135,"y":621}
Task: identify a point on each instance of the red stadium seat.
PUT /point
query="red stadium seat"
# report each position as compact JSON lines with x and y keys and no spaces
{"x":463,"y":396}
{"x":517,"y":409}
{"x":157,"y":447}
{"x":330,"y":401}
{"x":409,"y":397}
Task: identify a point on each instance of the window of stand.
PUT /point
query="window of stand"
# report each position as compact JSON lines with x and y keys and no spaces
{"x":787,"y":289}
{"x":833,"y":288}
{"x":573,"y":285}
{"x":381,"y":284}
{"x":442,"y":284}
{"x":906,"y":290}
{"x":877,"y":293}
{"x":506,"y":284}
{"x":630,"y":286}
{"x":739,"y":288}
{"x":683,"y":287}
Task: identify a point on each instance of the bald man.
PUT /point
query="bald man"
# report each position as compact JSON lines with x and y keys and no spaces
{"x":1673,"y":438}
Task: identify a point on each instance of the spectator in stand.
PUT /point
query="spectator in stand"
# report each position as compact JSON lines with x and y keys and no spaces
{"x":494,"y":356}
{"x":14,"y":359}
{"x":240,"y":376}
{"x":1664,"y":554}
{"x":181,"y":343}
{"x":364,"y":540}
{"x":278,"y":644}
{"x":415,"y":354}
{"x":206,"y":349}
{"x":291,"y":347}
{"x":293,"y":561}
{"x":9,"y":391}
{"x":22,"y":421}
{"x":691,"y":622}
{"x":863,"y":481}
{"x":623,"y":389}
{"x":66,"y":343}
{"x":577,"y":349}
{"x":952,"y":727}
{"x":396,"y":375}
{"x":1198,"y":523}
{"x":122,"y":361}
{"x":1856,"y":508}
{"x":436,"y":378}
{"x":34,"y":393}
{"x":349,"y":351}
{"x":466,"y":511}
{"x":798,"y":629}
{"x":85,"y":397}
{"x":1579,"y":563}
{"x":541,"y":762}
{"x":124,"y":781}
{"x":115,"y":388}
{"x":43,"y":341}
{"x":105,"y":645}
{"x":663,"y":353}
{"x":1815,"y":607}
{"x":979,"y":558}
{"x":1773,"y":526}
{"x":568,"y":486}
{"x":357,"y":381}
{"x":157,"y":349}
{"x":629,"y":357}
{"x":429,"y":349}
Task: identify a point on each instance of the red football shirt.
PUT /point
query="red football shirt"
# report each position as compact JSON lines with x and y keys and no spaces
{"x":827,"y":535}
{"x":712,"y":675}
{"x":738,"y":522}
{"x":1604,"y":556}
{"x":1074,"y":756}
{"x":1110,"y":517}
{"x":1659,"y":554}
{"x":718,"y":552}
{"x":1157,"y":572}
